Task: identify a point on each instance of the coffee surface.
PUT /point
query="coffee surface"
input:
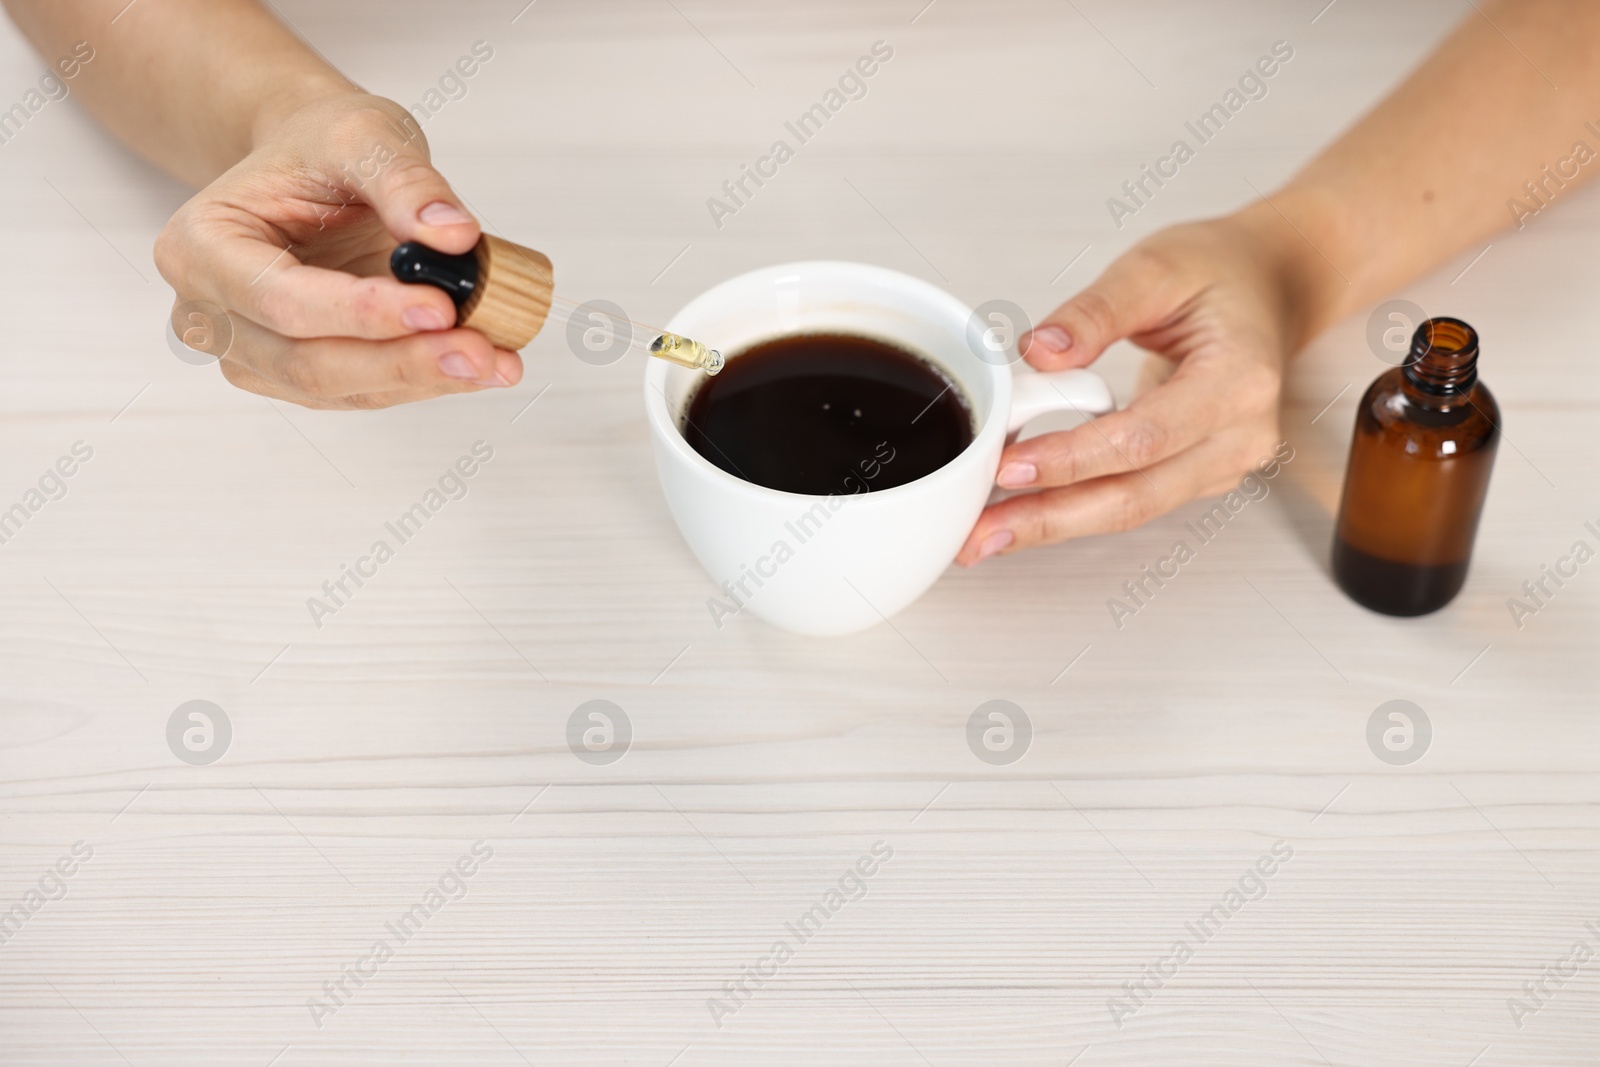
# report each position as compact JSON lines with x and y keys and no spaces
{"x":829,"y":413}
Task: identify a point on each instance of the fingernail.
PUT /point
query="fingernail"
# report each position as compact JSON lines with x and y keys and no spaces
{"x":994,"y":543}
{"x":1051,"y":338}
{"x":1016,"y":475}
{"x":457,"y":365}
{"x":507,"y":368}
{"x":423,"y":317}
{"x":440,"y":213}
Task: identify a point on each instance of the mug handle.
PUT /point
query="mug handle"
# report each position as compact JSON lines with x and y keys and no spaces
{"x":1042,"y":392}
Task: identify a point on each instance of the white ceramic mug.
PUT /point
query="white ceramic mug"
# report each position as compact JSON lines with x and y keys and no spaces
{"x":837,"y":564}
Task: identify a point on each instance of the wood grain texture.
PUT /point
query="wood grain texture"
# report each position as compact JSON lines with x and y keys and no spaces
{"x":430,"y":712}
{"x":513,"y":294}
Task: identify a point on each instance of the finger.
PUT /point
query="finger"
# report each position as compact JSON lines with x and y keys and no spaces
{"x":243,"y":377}
{"x":1104,"y":505}
{"x":327,"y":368}
{"x":234,"y":260}
{"x":1194,"y":403}
{"x":412,"y":198}
{"x":1136,"y":292}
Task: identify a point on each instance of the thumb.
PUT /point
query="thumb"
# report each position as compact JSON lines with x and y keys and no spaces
{"x":417,"y":204}
{"x":1130,"y":296}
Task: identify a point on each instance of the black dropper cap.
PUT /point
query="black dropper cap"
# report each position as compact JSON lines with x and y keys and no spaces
{"x":417,"y":264}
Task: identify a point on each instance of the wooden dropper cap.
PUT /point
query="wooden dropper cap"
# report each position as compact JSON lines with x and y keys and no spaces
{"x":500,"y":289}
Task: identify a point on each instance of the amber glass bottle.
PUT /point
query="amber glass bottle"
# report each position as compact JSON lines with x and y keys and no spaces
{"x":1425,"y":439}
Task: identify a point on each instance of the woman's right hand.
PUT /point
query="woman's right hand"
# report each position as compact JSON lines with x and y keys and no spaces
{"x":293,"y":245}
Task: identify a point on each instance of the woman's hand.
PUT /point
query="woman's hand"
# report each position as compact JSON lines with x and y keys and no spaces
{"x":1219,"y":304}
{"x":293,"y":243}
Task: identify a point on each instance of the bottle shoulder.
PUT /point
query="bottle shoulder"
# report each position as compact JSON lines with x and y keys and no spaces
{"x":1452,"y":427}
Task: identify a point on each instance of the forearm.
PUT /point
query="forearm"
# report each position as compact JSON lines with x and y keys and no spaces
{"x":191,"y":85}
{"x":1431,"y":170}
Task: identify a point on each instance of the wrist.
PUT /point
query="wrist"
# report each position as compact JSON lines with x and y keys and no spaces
{"x":1294,"y":237}
{"x":303,"y":90}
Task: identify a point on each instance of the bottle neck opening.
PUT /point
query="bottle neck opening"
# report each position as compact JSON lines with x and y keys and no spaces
{"x":1443,"y":360}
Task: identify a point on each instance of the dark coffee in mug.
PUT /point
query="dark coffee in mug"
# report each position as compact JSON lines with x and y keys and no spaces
{"x":829,"y":413}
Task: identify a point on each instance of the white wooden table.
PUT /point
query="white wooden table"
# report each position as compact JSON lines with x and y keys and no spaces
{"x":368,"y":756}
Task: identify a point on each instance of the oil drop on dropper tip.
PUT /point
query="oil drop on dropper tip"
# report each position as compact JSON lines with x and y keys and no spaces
{"x":686,"y":353}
